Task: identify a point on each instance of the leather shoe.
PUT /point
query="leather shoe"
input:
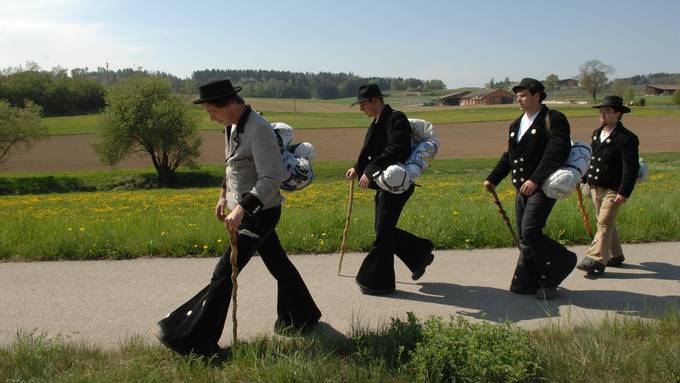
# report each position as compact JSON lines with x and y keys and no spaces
{"x":591,"y":266}
{"x":616,"y":261}
{"x":421,"y":269}
{"x":369,"y":291}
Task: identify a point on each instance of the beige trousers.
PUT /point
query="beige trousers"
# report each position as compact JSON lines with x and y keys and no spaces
{"x":605,"y":245}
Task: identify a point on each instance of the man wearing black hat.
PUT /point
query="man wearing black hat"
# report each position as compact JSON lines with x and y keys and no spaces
{"x":612,"y":175}
{"x":538,"y":144}
{"x":387,"y":141}
{"x":250,"y":192}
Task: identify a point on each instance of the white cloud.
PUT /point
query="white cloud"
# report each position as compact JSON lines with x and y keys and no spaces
{"x":51,"y":33}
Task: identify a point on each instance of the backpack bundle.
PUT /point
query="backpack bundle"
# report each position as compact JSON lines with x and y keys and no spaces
{"x":564,"y":180}
{"x":397,"y":178}
{"x":296,"y":158}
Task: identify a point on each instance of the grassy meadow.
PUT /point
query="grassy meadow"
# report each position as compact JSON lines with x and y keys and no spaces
{"x":409,"y":350}
{"x":338,"y":114}
{"x":449,"y":208}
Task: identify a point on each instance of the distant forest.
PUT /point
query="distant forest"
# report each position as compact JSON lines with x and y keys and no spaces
{"x":81,"y":90}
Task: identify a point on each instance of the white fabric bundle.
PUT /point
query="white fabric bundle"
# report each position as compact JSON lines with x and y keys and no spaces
{"x":564,"y":180}
{"x":394,"y":179}
{"x":643,"y":172}
{"x":296,"y":158}
{"x":424,"y":146}
{"x":398,"y":178}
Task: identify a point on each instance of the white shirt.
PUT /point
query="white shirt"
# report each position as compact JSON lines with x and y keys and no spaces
{"x":525,"y":123}
{"x":603,"y":135}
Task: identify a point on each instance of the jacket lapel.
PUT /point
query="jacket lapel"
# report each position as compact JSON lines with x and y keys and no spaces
{"x":233,"y":140}
{"x":535,"y":127}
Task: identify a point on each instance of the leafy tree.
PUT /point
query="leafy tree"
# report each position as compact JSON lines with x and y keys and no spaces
{"x":144,"y":116}
{"x":552,"y":83}
{"x":676,"y":97}
{"x":593,"y":76}
{"x":19,"y":127}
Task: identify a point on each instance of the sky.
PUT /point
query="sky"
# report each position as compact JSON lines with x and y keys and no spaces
{"x":463,"y":43}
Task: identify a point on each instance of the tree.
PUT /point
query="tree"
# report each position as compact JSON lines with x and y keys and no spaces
{"x":19,"y":127}
{"x":143,"y":115}
{"x":676,"y":97}
{"x":552,"y":83}
{"x":593,"y":76}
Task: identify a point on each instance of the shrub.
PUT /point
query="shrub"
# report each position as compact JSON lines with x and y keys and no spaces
{"x":676,"y":97}
{"x":458,"y":350}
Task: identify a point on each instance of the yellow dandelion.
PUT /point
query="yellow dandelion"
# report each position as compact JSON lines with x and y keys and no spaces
{"x":82,"y":229}
{"x":205,"y":247}
{"x":219,"y":240}
{"x":70,"y":229}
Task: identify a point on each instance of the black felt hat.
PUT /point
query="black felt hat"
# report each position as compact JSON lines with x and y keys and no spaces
{"x":367,"y":92}
{"x":216,"y":89}
{"x":614,"y":102}
{"x":530,"y":84}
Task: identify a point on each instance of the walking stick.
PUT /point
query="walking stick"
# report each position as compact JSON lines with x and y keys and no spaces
{"x":347,"y":223}
{"x":501,"y":211}
{"x":584,"y":213}
{"x":234,"y":273}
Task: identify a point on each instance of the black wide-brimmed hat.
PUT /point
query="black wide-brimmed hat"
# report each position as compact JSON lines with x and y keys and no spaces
{"x":530,"y":84}
{"x":216,"y":89}
{"x":614,"y":102}
{"x":367,"y":92}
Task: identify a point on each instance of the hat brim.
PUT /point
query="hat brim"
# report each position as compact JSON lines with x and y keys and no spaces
{"x":360,"y":100}
{"x":517,"y":87}
{"x":217,"y":96}
{"x":618,"y":108}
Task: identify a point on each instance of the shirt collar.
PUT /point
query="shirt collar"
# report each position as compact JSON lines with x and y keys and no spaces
{"x":244,"y":118}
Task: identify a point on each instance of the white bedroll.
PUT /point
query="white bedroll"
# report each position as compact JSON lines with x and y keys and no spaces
{"x":398,"y":178}
{"x":564,"y":180}
{"x":296,"y":158}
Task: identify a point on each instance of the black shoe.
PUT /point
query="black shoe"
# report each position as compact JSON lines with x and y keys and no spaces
{"x":369,"y":291}
{"x":421,"y":269}
{"x":591,"y":266}
{"x":616,"y":261}
{"x":546,"y":293}
{"x":172,"y":345}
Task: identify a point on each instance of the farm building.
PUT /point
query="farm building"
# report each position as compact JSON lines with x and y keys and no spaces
{"x":658,"y":89}
{"x":568,"y":83}
{"x":452,"y":98}
{"x":487,"y":97}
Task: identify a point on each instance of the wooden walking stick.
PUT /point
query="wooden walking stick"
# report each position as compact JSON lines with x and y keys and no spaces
{"x":234,"y":273}
{"x":501,"y":211}
{"x":347,"y":223}
{"x":584,"y":212}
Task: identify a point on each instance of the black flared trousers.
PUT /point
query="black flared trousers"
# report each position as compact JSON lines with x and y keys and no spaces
{"x":543,"y":262}
{"x":377,"y":270}
{"x":198,"y":323}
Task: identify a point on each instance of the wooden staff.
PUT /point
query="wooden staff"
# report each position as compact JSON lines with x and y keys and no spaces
{"x":347,"y":223}
{"x":234,"y":273}
{"x":584,"y":212}
{"x":501,"y":211}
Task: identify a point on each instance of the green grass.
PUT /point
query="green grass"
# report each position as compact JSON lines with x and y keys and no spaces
{"x":410,"y":350}
{"x":450,"y":209}
{"x":353,"y":118}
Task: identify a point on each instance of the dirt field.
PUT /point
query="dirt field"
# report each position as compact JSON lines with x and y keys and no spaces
{"x":470,"y":140}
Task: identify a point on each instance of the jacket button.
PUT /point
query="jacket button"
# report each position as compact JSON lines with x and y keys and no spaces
{"x":521,"y":180}
{"x":597,"y":170}
{"x":595,"y":177}
{"x":543,"y":277}
{"x":514,"y":181}
{"x":521,"y":169}
{"x":590,"y":176}
{"x":515,"y":161}
{"x":521,"y":159}
{"x":599,"y":158}
{"x":514,"y":170}
{"x":591,"y":166}
{"x":547,"y":263}
{"x":369,"y":158}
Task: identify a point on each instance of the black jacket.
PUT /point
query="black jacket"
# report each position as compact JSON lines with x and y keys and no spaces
{"x":615,"y":162}
{"x":538,"y":154}
{"x":387,"y":142}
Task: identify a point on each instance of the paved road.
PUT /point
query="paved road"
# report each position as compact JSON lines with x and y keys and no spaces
{"x":103,"y":302}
